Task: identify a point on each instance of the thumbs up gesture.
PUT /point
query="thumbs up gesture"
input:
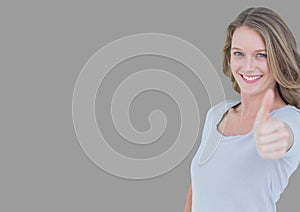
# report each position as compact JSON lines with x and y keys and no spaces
{"x":273,"y":137}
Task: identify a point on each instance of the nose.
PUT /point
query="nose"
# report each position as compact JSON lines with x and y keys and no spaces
{"x":249,"y":64}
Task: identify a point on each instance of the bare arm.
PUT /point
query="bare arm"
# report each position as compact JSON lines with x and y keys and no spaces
{"x":188,"y":201}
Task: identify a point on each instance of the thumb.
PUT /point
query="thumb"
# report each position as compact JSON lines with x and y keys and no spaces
{"x":265,"y":108}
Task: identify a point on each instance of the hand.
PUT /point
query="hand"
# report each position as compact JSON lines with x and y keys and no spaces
{"x":273,"y":137}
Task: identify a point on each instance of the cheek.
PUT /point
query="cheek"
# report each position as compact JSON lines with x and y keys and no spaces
{"x":265,"y":68}
{"x":234,"y":66}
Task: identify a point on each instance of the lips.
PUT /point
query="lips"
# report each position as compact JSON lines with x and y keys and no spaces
{"x":251,"y":78}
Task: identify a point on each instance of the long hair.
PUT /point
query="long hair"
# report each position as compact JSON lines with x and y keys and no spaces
{"x":282,"y":55}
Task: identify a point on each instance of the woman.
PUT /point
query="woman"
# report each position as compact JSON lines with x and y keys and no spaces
{"x":260,"y":134}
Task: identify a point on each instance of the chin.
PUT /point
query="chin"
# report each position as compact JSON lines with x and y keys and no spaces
{"x":249,"y":92}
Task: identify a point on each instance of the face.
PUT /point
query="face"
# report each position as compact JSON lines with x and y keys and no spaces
{"x":248,"y":62}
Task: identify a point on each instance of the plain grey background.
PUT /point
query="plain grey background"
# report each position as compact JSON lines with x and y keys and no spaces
{"x":43,"y":47}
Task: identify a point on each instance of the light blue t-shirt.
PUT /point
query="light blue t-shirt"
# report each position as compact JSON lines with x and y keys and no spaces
{"x":236,"y":178}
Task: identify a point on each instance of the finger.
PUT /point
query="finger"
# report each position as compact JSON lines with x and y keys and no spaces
{"x":271,"y":140}
{"x":268,"y":139}
{"x":270,"y":127}
{"x":265,"y":108}
{"x":274,"y":146}
{"x":273,"y":155}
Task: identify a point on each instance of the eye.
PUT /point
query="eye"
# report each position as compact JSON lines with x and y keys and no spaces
{"x":262,"y":55}
{"x":239,"y":54}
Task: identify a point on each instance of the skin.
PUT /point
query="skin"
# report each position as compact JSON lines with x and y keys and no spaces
{"x":273,"y":138}
{"x":258,"y":98}
{"x":188,"y":201}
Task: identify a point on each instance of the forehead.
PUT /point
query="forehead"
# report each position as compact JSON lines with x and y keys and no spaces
{"x":246,"y":38}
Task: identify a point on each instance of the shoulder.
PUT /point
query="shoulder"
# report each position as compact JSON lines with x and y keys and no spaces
{"x":217,"y":110}
{"x":287,"y":113}
{"x":291,"y":116}
{"x":223,"y":105}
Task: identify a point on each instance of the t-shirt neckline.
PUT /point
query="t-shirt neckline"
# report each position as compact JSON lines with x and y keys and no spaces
{"x":233,"y":137}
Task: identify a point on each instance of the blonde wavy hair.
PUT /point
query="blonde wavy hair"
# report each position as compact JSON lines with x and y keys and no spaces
{"x":282,"y":55}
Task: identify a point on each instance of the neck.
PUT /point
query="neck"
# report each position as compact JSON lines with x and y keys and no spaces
{"x":250,"y":104}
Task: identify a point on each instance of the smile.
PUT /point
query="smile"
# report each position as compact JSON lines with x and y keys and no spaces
{"x":251,"y":78}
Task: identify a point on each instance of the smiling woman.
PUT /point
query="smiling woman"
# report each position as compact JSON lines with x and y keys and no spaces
{"x":280,"y":50}
{"x":260,"y":134}
{"x":248,"y":63}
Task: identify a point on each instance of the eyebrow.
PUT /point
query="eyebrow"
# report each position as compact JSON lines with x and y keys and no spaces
{"x":258,"y":50}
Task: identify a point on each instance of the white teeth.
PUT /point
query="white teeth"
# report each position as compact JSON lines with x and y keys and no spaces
{"x":251,"y":78}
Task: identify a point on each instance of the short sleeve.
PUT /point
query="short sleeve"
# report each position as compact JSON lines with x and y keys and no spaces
{"x":284,"y":167}
{"x":291,"y":116}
